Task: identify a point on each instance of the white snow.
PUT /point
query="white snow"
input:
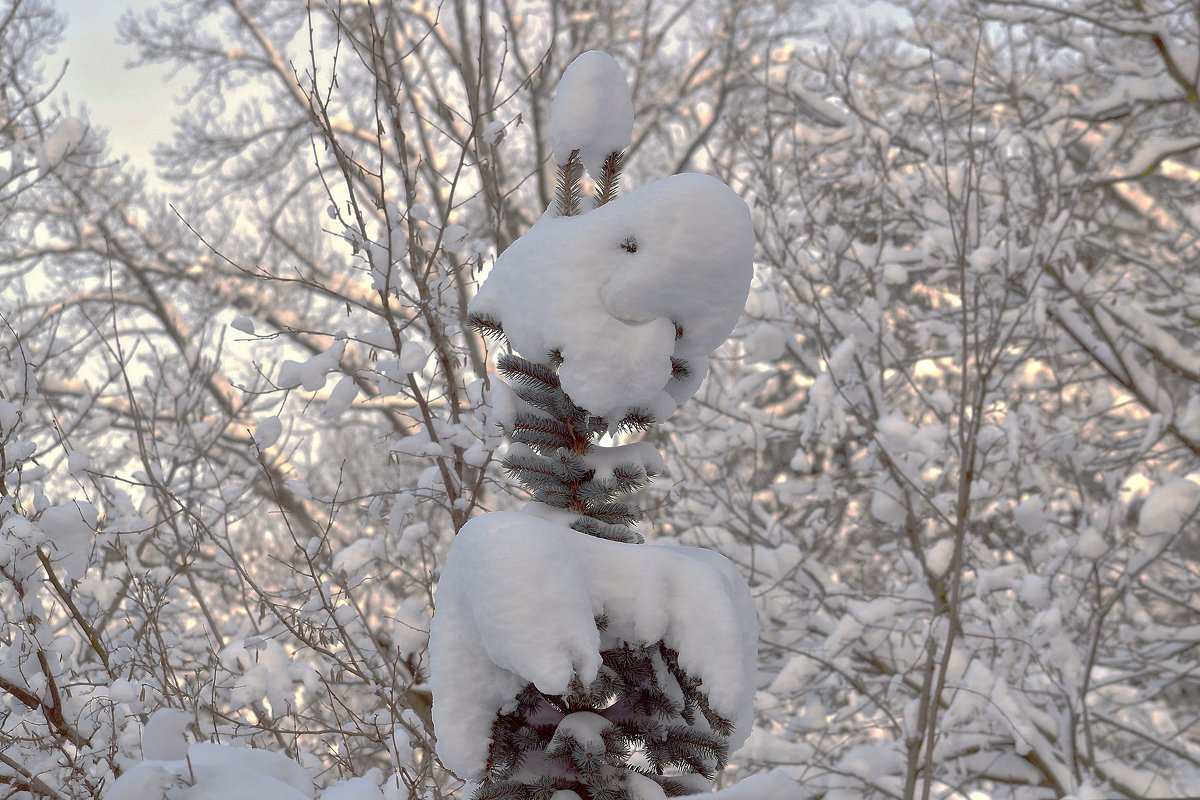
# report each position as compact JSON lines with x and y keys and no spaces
{"x":768,"y":343}
{"x":570,"y":285}
{"x":243,"y":324}
{"x":67,"y":137}
{"x":312,"y":373}
{"x":78,"y":464}
{"x":71,"y":529}
{"x":886,"y":501}
{"x":355,"y":556}
{"x":352,"y":789}
{"x":939,"y":556}
{"x":585,"y":727}
{"x":341,"y":398}
{"x":1189,"y":420}
{"x":1169,"y":507}
{"x":605,"y":459}
{"x":895,"y":274}
{"x":773,"y":785}
{"x":163,"y":737}
{"x":517,"y":603}
{"x":640,"y":787}
{"x":215,"y":772}
{"x":267,"y":432}
{"x":592,"y":111}
{"x":1091,"y":543}
{"x":10,"y":413}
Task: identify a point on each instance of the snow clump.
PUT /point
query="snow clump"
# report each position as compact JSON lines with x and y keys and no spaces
{"x":517,"y":603}
{"x":617,"y":292}
{"x":592,"y":111}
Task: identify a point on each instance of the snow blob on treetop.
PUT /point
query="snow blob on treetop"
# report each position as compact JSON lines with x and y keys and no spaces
{"x":592,"y":111}
{"x":631,"y":296}
{"x":617,"y":292}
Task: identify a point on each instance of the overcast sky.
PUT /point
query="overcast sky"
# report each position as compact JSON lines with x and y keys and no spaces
{"x":134,"y":105}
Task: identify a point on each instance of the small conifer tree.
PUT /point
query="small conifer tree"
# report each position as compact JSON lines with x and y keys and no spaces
{"x":598,"y":683}
{"x":643,"y":713}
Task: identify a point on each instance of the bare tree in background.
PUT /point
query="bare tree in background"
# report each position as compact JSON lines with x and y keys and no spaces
{"x":951,"y":450}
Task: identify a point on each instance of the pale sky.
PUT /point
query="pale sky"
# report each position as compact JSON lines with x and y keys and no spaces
{"x":135,"y":105}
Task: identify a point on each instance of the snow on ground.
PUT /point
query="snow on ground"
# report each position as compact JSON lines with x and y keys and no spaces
{"x":1169,"y":507}
{"x":517,"y":603}
{"x":215,"y":772}
{"x":608,"y":288}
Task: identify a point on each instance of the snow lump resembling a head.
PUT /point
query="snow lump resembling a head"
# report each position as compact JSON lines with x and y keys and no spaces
{"x":660,"y":273}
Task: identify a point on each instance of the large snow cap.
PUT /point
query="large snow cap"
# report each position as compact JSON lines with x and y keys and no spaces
{"x":592,"y":111}
{"x":608,"y":287}
{"x":517,"y":603}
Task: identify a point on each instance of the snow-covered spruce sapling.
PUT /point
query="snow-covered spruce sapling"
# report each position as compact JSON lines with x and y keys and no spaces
{"x":566,"y":661}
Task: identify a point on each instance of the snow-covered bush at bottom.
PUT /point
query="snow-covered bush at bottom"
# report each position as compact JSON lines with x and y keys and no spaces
{"x":207,"y":771}
{"x":524,"y":601}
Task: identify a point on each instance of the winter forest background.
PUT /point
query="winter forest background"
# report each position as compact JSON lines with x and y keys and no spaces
{"x":953,"y":444}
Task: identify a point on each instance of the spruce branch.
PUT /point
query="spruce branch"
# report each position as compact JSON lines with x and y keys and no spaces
{"x":660,"y":721}
{"x":556,"y":496}
{"x":617,"y":792}
{"x":542,"y":434}
{"x":609,"y":180}
{"x":575,"y":469}
{"x":680,"y":369}
{"x":593,"y":493}
{"x":528,"y":372}
{"x":570,"y":180}
{"x":636,"y":420}
{"x":689,"y":748}
{"x":528,"y":467}
{"x":616,"y":513}
{"x":487,"y":326}
{"x":553,"y":402}
{"x":690,"y":687}
{"x":603,"y":530}
{"x":628,"y":478}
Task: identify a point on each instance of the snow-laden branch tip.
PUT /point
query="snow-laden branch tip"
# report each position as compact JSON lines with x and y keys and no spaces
{"x":592,"y":111}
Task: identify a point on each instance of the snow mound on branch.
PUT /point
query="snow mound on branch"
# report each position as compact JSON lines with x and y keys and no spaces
{"x":1169,"y":507}
{"x":517,"y":604}
{"x":607,"y":288}
{"x":592,"y":111}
